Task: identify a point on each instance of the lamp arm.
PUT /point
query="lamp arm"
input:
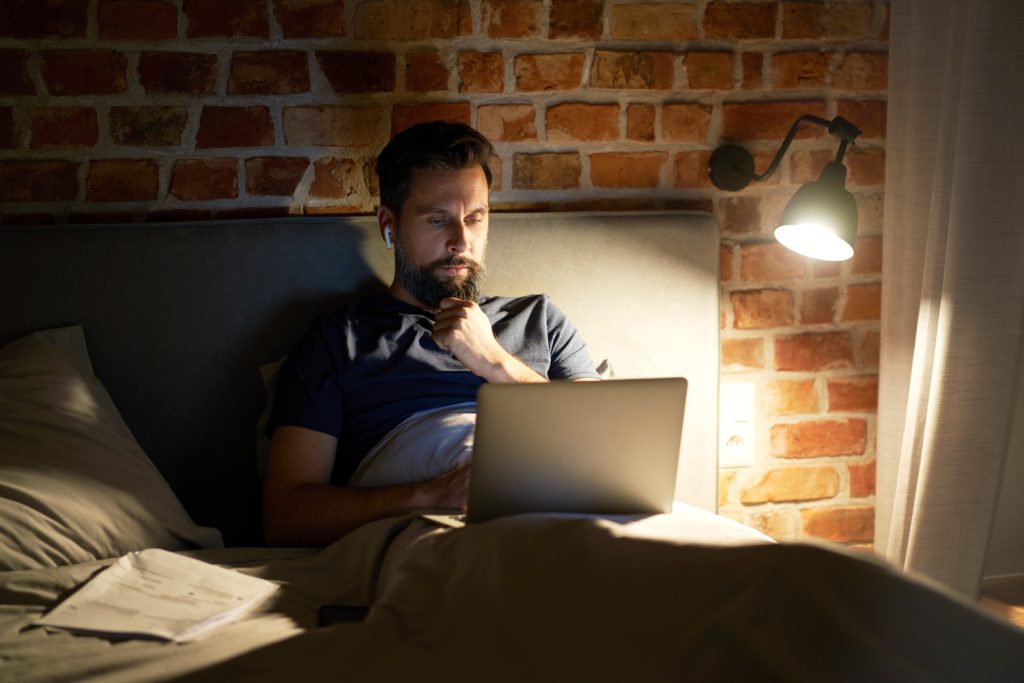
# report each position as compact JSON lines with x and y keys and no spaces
{"x":806,"y":118}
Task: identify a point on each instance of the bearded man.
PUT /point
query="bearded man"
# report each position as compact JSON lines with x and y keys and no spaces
{"x":396,"y":369}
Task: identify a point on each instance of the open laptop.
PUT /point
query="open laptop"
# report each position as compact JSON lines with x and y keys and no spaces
{"x":607,"y":448}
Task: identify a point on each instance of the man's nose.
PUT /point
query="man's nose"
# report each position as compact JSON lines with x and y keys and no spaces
{"x":458,"y":237}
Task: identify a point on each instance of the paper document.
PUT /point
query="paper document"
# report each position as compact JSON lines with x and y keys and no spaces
{"x":157,"y":594}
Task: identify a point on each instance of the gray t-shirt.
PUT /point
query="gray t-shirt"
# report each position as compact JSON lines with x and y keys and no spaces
{"x":360,"y":372}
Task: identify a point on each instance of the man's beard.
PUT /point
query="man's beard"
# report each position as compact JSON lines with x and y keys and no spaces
{"x":424,"y":284}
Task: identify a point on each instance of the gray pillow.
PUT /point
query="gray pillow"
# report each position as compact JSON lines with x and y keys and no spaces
{"x":75,"y":486}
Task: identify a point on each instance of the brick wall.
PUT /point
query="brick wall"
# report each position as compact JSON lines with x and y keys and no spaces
{"x":148,"y":110}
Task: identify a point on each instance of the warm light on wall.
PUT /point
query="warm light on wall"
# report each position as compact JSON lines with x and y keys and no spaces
{"x":820,"y":220}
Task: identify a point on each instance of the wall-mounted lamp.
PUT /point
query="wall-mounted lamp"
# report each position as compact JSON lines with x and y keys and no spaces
{"x":820,"y":220}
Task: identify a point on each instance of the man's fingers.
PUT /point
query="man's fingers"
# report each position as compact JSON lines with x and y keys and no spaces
{"x":451,"y":302}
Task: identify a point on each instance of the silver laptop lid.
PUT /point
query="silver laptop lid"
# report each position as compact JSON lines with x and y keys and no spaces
{"x":594,"y":447}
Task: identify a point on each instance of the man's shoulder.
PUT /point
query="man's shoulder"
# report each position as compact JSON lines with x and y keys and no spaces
{"x":514,"y":303}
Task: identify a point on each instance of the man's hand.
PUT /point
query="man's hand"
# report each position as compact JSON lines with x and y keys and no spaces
{"x":449,"y":491}
{"x":463,"y":329}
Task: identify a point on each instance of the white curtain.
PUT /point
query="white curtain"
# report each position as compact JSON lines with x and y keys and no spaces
{"x":953,"y":281}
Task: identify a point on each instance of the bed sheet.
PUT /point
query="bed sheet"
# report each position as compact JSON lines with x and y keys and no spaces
{"x":686,"y":596}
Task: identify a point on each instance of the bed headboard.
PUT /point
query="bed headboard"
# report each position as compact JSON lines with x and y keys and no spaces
{"x":178,"y":317}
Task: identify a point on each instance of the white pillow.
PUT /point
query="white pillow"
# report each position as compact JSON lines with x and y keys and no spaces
{"x":75,"y":486}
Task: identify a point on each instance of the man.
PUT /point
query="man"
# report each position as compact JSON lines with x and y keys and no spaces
{"x":427,"y":342}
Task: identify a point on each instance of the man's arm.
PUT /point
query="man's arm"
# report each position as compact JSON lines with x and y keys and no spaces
{"x":302,"y":508}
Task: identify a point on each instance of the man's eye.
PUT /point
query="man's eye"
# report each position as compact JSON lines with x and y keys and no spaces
{"x":438,"y":220}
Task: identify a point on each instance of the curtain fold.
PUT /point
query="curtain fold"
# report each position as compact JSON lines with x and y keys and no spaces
{"x":953,"y":281}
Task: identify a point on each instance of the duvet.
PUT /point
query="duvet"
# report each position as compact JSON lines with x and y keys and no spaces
{"x":683,"y":596}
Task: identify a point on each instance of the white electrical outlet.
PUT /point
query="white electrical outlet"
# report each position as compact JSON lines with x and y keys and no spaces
{"x":736,"y":424}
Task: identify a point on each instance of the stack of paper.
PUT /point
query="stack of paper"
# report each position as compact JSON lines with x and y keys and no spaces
{"x":157,"y":594}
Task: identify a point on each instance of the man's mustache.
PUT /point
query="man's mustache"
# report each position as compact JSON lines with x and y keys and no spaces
{"x":455,"y":261}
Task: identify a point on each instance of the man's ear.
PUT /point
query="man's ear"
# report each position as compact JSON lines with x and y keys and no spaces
{"x":386,"y":219}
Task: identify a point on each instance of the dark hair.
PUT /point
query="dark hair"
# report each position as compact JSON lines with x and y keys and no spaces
{"x":436,"y":144}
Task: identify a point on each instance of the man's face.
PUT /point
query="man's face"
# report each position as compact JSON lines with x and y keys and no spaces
{"x":441,"y":236}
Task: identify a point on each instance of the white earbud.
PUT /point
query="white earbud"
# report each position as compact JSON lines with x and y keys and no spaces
{"x":387,"y":237}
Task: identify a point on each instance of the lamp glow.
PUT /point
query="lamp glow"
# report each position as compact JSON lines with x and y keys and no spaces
{"x":815,"y":240}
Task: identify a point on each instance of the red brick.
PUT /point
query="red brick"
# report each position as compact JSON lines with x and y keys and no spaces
{"x":867,"y":256}
{"x":64,"y":127}
{"x":725,"y":253}
{"x":178,"y":73}
{"x":235,"y":127}
{"x":85,"y":72}
{"x":481,"y":72}
{"x":627,"y":169}
{"x":581,"y":121}
{"x":793,"y":484}
{"x":868,"y":349}
{"x":849,"y":525}
{"x":818,"y":306}
{"x":817,"y":21}
{"x":870,"y":208}
{"x":654,"y":21}
{"x":334,"y":126}
{"x":512,"y":18}
{"x":506,"y":122}
{"x":806,"y":165}
{"x":580,"y":19}
{"x":406,"y":115}
{"x":739,"y":214}
{"x":753,"y":70}
{"x":561,"y":71}
{"x":685,"y":122}
{"x":336,"y":178}
{"x":122,"y":180}
{"x":203,"y":179}
{"x":811,"y":352}
{"x":632,"y":70}
{"x":794,"y":70}
{"x":709,"y":70}
{"x":791,"y":397}
{"x":863,"y":302}
{"x":356,"y":71}
{"x":692,"y":169}
{"x":862,"y":71}
{"x":148,"y":126}
{"x":275,"y":176}
{"x":770,"y":261}
{"x":269,"y":72}
{"x":866,"y":167}
{"x":550,"y":171}
{"x":853,"y":394}
{"x":739,"y":20}
{"x":404,"y":20}
{"x":862,"y":479}
{"x":826,"y":269}
{"x":310,"y":18}
{"x":425,"y":72}
{"x":138,"y":19}
{"x":38,"y":181}
{"x":747,"y":121}
{"x":219,"y":19}
{"x":819,"y":438}
{"x":868,"y":115}
{"x":50,"y":19}
{"x":761,"y":308}
{"x":742,"y":354}
{"x":14,"y":78}
{"x":640,"y":122}
{"x":9,"y":137}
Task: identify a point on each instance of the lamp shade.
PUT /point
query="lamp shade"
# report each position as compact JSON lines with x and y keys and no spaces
{"x":820,"y":220}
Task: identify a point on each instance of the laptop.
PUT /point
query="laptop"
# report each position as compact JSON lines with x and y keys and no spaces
{"x":605,"y":448}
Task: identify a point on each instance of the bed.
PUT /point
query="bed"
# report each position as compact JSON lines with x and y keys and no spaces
{"x":128,"y":419}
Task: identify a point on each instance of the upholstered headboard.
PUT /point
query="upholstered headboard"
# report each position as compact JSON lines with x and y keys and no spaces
{"x":178,"y":317}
